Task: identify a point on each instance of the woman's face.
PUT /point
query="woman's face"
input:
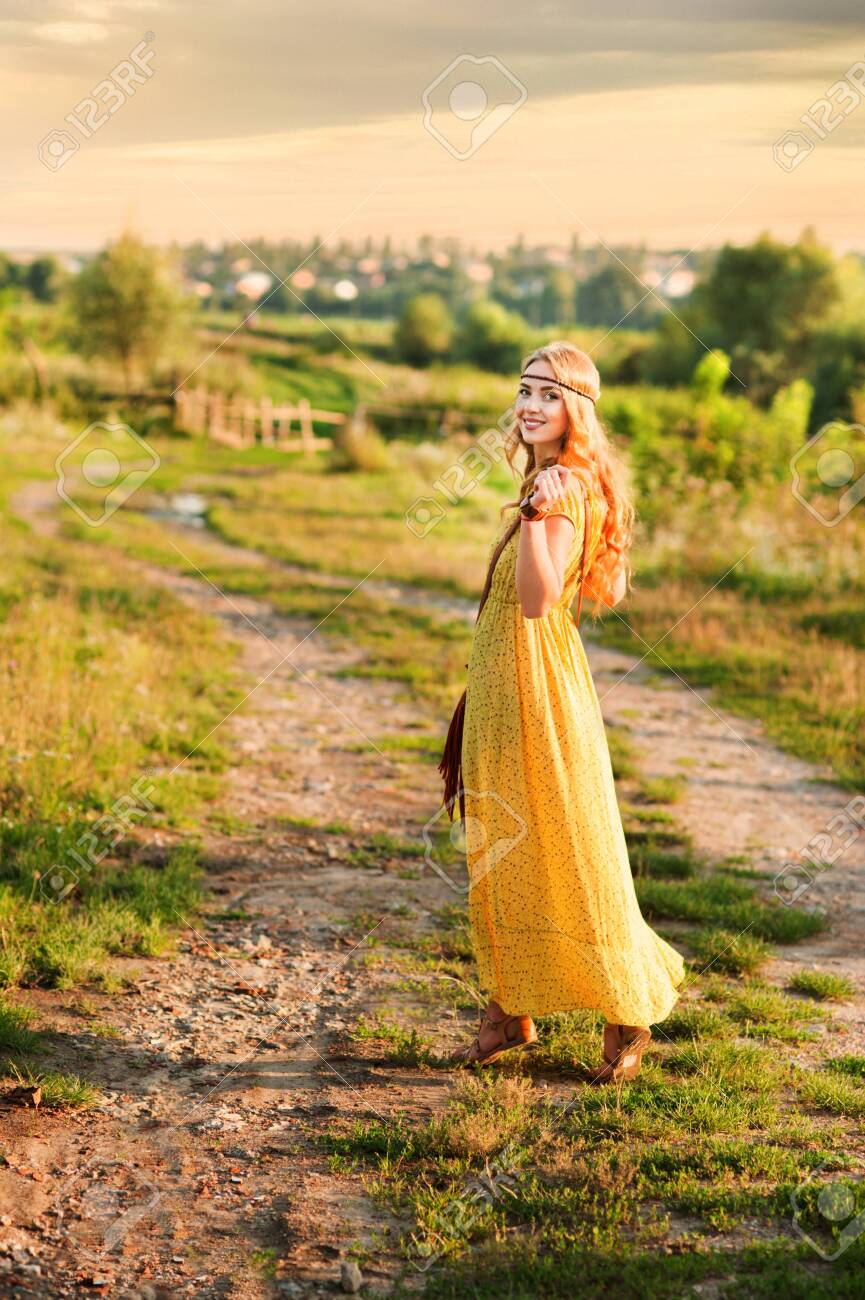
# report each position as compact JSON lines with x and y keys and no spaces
{"x":540,"y":406}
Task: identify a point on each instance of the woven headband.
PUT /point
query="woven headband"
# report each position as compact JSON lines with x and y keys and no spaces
{"x":558,"y":383}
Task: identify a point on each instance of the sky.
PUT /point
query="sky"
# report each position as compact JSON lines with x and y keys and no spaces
{"x":664,"y":122}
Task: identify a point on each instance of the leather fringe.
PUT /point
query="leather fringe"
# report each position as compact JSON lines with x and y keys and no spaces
{"x":451,"y":765}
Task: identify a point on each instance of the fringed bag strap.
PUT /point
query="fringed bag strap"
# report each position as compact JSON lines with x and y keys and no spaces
{"x":450,"y":765}
{"x":509,"y":532}
{"x":587,"y":537}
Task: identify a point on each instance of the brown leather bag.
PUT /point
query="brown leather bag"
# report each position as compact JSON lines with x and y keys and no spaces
{"x":451,"y":766}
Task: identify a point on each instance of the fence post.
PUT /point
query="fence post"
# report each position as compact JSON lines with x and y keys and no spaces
{"x":357,"y":423}
{"x":265,"y":408}
{"x":199,"y":419}
{"x":217,"y":419}
{"x":446,"y":424}
{"x":307,"y":436}
{"x":248,"y":422}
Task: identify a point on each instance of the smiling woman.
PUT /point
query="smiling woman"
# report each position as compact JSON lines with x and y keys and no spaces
{"x":555,"y":920}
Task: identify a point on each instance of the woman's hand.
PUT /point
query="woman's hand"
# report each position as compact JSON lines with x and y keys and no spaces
{"x":550,"y":485}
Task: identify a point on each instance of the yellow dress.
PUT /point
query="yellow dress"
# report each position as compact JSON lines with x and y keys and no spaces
{"x":554,"y":915}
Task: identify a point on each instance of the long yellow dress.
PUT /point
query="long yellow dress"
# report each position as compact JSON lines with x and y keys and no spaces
{"x":554,"y":916}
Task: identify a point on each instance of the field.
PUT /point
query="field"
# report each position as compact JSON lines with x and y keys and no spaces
{"x":234,"y":951}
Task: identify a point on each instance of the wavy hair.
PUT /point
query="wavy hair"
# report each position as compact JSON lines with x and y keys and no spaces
{"x":585,"y":448}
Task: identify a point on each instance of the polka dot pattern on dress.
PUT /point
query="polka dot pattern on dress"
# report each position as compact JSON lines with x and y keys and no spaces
{"x":554,"y":915}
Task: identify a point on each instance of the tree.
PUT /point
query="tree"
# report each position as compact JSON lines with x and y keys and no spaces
{"x":558,"y":298}
{"x":424,"y":330}
{"x":126,"y":304}
{"x":492,"y":337}
{"x":769,"y":297}
{"x":44,"y":278}
{"x":614,"y":295}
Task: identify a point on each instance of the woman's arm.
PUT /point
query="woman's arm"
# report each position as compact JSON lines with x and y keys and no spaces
{"x":543,"y":547}
{"x":541,"y":556}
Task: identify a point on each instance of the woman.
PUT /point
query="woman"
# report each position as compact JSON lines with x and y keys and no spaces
{"x":555,"y":920}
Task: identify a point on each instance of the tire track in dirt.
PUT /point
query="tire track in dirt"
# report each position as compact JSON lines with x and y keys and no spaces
{"x":233,"y":1056}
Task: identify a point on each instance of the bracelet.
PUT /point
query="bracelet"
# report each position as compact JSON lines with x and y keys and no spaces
{"x":537,"y":519}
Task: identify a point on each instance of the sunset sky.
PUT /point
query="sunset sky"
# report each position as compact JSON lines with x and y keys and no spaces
{"x":620,"y":121}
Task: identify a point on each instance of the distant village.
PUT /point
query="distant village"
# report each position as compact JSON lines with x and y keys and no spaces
{"x":545,"y":283}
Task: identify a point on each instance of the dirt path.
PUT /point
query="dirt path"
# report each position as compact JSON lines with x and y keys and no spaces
{"x":232,"y":1058}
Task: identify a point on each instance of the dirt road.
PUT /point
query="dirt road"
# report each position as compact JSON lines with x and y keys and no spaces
{"x":232,"y":1057}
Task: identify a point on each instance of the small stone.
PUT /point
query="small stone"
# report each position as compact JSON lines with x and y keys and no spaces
{"x":350,"y":1276}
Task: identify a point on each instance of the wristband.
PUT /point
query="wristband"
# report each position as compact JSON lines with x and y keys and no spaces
{"x":534,"y":514}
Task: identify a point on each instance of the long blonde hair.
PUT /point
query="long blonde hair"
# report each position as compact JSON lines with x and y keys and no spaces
{"x":585,"y":448}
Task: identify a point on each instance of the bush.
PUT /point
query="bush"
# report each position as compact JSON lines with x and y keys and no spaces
{"x":492,"y":337}
{"x":424,"y":330}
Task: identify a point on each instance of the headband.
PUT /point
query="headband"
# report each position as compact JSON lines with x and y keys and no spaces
{"x":582,"y":392}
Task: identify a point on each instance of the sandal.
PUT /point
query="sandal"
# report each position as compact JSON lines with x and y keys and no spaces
{"x":623,"y":1053}
{"x":513,"y":1031}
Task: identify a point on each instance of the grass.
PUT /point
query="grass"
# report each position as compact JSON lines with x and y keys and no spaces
{"x":662,"y":789}
{"x":505,"y":1190}
{"x":742,"y":620}
{"x":719,"y":1127}
{"x":131,"y":911}
{"x":15,"y":1032}
{"x":403,"y":1046}
{"x":127,"y":680}
{"x":824,"y":985}
{"x":835,"y":1091}
{"x":727,"y":903}
{"x":522,"y":1183}
{"x":723,"y":950}
{"x":111,"y":727}
{"x":59,"y":1091}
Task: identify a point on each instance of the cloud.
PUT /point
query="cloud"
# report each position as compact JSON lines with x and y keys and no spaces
{"x":70,"y":33}
{"x":284,"y":114}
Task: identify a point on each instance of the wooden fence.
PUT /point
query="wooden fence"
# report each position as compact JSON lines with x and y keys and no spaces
{"x":241,"y":422}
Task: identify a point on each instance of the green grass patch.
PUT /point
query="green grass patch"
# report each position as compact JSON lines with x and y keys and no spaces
{"x":727,"y":903}
{"x":834,"y":1090}
{"x":15,"y":1032}
{"x":59,"y":1091}
{"x":825,"y":985}
{"x":726,"y":951}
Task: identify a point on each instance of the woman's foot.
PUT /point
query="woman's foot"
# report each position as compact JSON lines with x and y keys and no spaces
{"x":623,"y":1053}
{"x":498,"y":1033}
